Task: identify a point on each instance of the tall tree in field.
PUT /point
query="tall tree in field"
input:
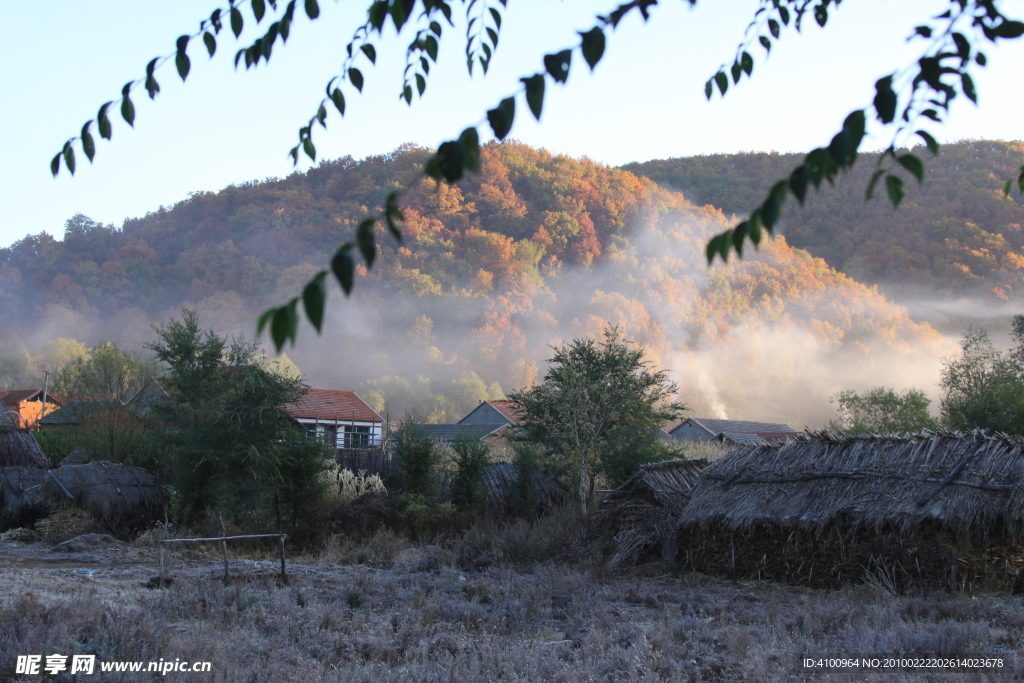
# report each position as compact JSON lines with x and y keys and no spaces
{"x":906,"y":101}
{"x":234,"y":442}
{"x":981,"y":387}
{"x":594,"y":396}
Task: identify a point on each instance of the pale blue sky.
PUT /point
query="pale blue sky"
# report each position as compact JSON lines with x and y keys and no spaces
{"x":65,"y":57}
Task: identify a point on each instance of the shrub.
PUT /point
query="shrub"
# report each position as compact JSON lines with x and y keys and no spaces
{"x":418,"y":458}
{"x":469,"y":490}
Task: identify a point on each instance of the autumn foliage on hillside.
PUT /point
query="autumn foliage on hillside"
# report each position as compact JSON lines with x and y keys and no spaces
{"x":955,"y":234}
{"x":534,"y":250}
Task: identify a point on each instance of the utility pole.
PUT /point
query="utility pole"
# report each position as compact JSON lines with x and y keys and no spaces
{"x":46,"y":379}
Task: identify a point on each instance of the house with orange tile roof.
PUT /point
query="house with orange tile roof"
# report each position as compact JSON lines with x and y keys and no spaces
{"x":27,"y":405}
{"x":493,"y":413}
{"x":339,"y":417}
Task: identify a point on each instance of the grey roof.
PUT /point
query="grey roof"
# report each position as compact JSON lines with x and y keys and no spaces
{"x":448,"y":432}
{"x":8,"y":420}
{"x":714,"y":426}
{"x":76,"y":412}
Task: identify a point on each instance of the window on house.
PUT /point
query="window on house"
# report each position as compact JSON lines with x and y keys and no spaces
{"x":357,"y":437}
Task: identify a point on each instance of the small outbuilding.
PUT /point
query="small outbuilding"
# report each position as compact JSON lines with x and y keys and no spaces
{"x":938,"y":508}
{"x":637,"y":521}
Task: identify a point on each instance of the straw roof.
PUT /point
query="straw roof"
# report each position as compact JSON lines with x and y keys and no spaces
{"x":639,"y":517}
{"x":20,"y":500}
{"x":20,"y":449}
{"x":501,"y":480}
{"x":120,"y":497}
{"x":963,"y":483}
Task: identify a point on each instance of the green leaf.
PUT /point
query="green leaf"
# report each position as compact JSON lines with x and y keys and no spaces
{"x":236,"y":21}
{"x":798,"y":180}
{"x":708,"y":88}
{"x":592,"y":46}
{"x":912,"y":164}
{"x":871,"y":185}
{"x":739,"y":233}
{"x":755,"y":228}
{"x":821,"y":14}
{"x":421,"y":84}
{"x":712,"y":248}
{"x":308,"y":148}
{"x":103,"y":123}
{"x":723,"y":82}
{"x":496,"y":15}
{"x":344,"y":267}
{"x":181,"y":59}
{"x":393,"y":215}
{"x":501,"y":117}
{"x":737,"y":71}
{"x":339,"y":100}
{"x":313,"y":297}
{"x":558,"y":65}
{"x":435,"y":28}
{"x":894,"y":186}
{"x":784,"y":14}
{"x":1006,"y":186}
{"x":933,"y":145}
{"x":284,"y":324}
{"x":747,"y":63}
{"x":370,"y":53}
{"x":765,"y":43}
{"x":259,"y":8}
{"x":210,"y":42}
{"x":854,"y":126}
{"x":355,"y":76}
{"x":69,"y":157}
{"x":399,"y":14}
{"x":885,"y":100}
{"x":773,"y":26}
{"x":430,"y":45}
{"x":450,"y":160}
{"x":534,"y":93}
{"x":366,"y":238}
{"x":493,"y":36}
{"x":470,"y":141}
{"x":1009,"y":29}
{"x":968,"y":86}
{"x":378,"y":13}
{"x":313,"y":9}
{"x":55,"y":164}
{"x":321,"y":115}
{"x":152,"y":87}
{"x":128,"y":110}
{"x":265,"y":318}
{"x":772,"y":206}
{"x":724,"y":244}
{"x":88,"y":144}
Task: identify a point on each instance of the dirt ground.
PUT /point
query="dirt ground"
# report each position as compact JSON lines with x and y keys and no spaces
{"x":389,"y":610}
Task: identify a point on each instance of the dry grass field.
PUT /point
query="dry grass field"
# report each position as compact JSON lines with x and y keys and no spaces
{"x":496,"y":604}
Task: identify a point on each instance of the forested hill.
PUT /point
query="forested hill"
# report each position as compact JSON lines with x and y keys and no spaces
{"x":534,"y":250}
{"x":956,"y":234}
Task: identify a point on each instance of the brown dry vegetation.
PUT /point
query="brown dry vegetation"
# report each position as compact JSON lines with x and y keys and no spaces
{"x":492,"y":604}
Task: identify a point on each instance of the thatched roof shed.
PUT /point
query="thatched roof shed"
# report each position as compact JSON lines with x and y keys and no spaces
{"x":506,"y":497}
{"x":21,"y":502}
{"x":860,"y":500}
{"x":19,"y":448}
{"x":121,"y":498}
{"x":638,"y":519}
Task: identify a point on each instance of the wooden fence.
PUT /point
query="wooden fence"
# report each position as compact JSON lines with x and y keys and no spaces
{"x":372,"y":460}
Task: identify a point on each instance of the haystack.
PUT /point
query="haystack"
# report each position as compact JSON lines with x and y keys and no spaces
{"x":18,"y":448}
{"x":929,"y":509}
{"x":123,"y":499}
{"x":505,"y":498}
{"x":20,"y":501}
{"x":638,"y":520}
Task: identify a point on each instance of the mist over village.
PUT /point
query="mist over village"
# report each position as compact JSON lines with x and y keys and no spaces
{"x":494,"y":409}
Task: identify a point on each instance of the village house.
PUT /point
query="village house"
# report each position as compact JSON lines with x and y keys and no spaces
{"x":731,"y":431}
{"x":27,"y":405}
{"x":492,"y":413}
{"x":340,"y":418}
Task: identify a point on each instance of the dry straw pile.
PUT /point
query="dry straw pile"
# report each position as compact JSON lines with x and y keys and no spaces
{"x":638,"y":519}
{"x":935,"y":508}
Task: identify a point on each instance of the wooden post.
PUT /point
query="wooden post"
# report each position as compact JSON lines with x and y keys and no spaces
{"x":952,"y":571}
{"x":163,"y":537}
{"x":224,"y":546}
{"x":732,"y":549}
{"x":284,"y":576}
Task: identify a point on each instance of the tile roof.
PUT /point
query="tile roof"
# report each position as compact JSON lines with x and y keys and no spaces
{"x":332,"y":404}
{"x":448,"y":432}
{"x":77,"y":411}
{"x":509,"y":409}
{"x":715,"y":426}
{"x":19,"y":395}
